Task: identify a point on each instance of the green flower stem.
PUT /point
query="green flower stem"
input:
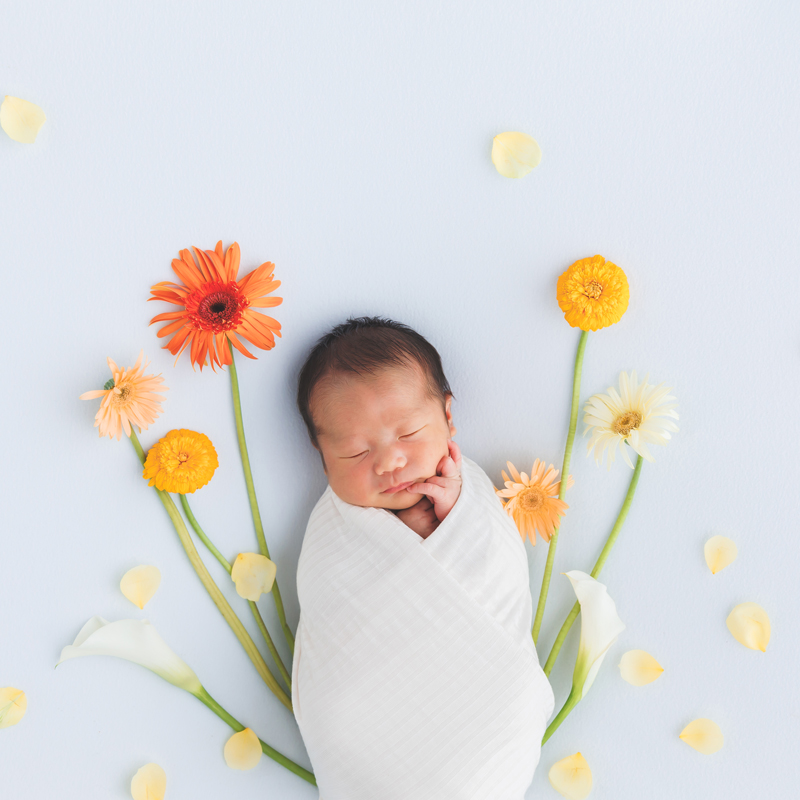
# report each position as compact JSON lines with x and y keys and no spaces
{"x":251,"y":493}
{"x":202,"y":536}
{"x":612,"y":537}
{"x":253,"y":607}
{"x":572,"y":701}
{"x":216,"y":595}
{"x":573,"y":424}
{"x":204,"y":697}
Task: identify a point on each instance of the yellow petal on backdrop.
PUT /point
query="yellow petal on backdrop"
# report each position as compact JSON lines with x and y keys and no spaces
{"x":639,"y":668}
{"x":149,"y":783}
{"x":749,"y":624}
{"x":20,"y":119}
{"x":719,"y":552}
{"x":13,"y":705}
{"x":704,"y":735}
{"x":243,"y":750}
{"x":140,"y":583}
{"x":571,"y":777}
{"x":253,"y":574}
{"x":515,"y":154}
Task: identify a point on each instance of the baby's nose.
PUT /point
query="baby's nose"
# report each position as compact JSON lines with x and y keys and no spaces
{"x":389,"y":462}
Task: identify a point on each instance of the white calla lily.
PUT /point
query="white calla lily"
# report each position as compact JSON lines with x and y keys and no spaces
{"x":137,"y":641}
{"x":600,"y":627}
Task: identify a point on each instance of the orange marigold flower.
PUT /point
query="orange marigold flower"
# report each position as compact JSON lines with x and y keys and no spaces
{"x":216,"y":307}
{"x":129,"y":397}
{"x":533,"y":501}
{"x":182,"y":462}
{"x":593,"y":293}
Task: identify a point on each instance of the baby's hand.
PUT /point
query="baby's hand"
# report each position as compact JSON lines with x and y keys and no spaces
{"x":443,"y":488}
{"x":420,"y":517}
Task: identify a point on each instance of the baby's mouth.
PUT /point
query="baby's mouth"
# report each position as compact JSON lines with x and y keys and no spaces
{"x":398,"y":488}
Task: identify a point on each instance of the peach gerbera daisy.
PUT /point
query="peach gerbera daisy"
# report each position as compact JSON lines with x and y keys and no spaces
{"x":129,"y":397}
{"x":593,"y":293}
{"x":216,"y":307}
{"x":533,"y":502}
{"x":181,"y":462}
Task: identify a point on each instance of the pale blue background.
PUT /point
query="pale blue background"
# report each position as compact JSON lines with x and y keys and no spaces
{"x":350,"y":144}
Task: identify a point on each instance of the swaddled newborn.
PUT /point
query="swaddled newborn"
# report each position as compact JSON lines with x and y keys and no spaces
{"x":414,"y":674}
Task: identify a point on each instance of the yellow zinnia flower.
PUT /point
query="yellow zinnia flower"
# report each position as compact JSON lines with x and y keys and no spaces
{"x":593,"y":294}
{"x":533,"y":502}
{"x":181,"y":462}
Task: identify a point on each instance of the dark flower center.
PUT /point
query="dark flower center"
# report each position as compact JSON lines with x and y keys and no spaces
{"x":217,"y":306}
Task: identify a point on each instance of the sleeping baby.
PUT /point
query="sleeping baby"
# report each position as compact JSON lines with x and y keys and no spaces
{"x":414,"y":673}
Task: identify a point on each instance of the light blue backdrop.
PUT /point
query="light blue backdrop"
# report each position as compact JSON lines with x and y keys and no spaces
{"x":350,"y":144}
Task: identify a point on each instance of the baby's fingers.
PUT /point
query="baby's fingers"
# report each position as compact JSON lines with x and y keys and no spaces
{"x":430,"y":489}
{"x":455,"y":453}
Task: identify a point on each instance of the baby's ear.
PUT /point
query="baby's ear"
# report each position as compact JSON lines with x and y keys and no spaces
{"x":448,"y":414}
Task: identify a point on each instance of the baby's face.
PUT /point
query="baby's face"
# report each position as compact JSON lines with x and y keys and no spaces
{"x":378,"y":433}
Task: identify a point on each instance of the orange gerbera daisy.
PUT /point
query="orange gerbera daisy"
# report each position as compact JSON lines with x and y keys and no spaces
{"x":593,"y":293}
{"x":533,"y":502}
{"x":129,"y":397}
{"x":216,"y":308}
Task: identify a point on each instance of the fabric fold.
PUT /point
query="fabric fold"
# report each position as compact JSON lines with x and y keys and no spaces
{"x":415,"y":676}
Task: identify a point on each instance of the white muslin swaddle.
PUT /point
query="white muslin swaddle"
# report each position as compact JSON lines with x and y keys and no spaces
{"x":415,"y":676}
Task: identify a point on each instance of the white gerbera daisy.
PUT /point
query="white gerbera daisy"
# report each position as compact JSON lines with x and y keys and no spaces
{"x":634,"y":416}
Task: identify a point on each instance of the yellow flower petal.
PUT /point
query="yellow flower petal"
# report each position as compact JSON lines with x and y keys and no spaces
{"x":13,"y":705}
{"x":515,"y":154}
{"x":140,"y":583}
{"x":639,"y":668}
{"x":20,"y":119}
{"x":719,"y":551}
{"x":253,"y":574}
{"x":571,"y":777}
{"x":704,"y":735}
{"x":749,"y":624}
{"x":242,"y":750}
{"x":149,"y":783}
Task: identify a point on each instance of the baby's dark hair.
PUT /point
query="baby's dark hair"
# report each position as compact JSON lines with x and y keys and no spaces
{"x":365,"y":346}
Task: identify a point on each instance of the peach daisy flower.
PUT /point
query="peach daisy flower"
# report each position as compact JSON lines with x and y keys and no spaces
{"x":593,"y":293}
{"x":129,"y":397}
{"x":216,"y":307}
{"x":533,"y":501}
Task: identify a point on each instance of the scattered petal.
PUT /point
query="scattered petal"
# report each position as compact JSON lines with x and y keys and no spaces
{"x":149,"y":783}
{"x":719,"y":551}
{"x":140,"y":583}
{"x":13,"y":705}
{"x":20,"y":119}
{"x":243,"y":750}
{"x":639,"y":668}
{"x":704,"y":735}
{"x":515,"y":154}
{"x":571,"y":777}
{"x":253,"y":574}
{"x":749,"y":624}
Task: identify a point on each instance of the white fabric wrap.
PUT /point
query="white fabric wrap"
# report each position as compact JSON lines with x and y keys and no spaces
{"x":415,"y":676}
